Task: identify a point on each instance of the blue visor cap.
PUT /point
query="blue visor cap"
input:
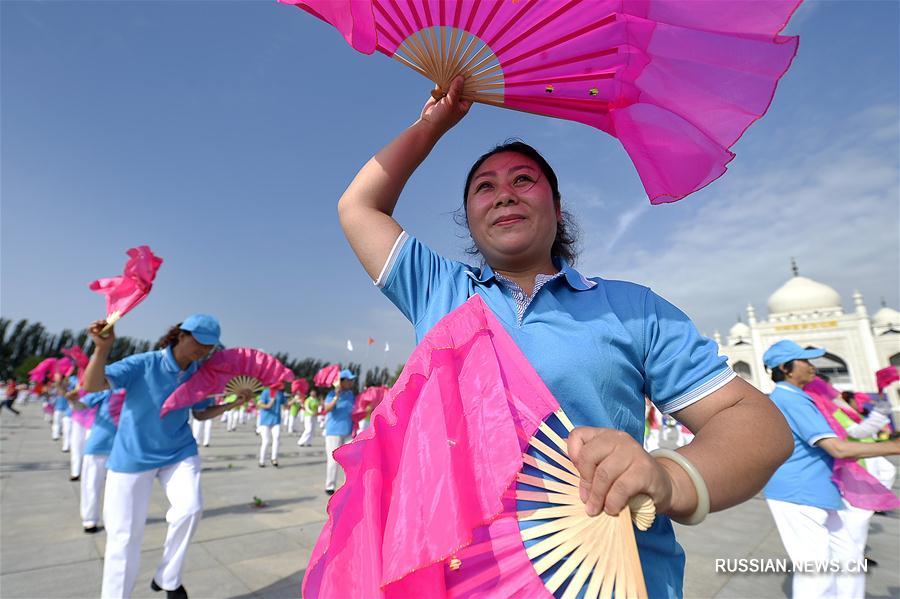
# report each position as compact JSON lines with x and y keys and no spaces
{"x":204,"y":328}
{"x":347,"y":374}
{"x":785,"y":351}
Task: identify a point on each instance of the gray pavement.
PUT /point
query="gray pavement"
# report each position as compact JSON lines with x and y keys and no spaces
{"x":243,"y":551}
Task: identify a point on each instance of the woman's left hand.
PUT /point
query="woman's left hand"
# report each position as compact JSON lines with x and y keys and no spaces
{"x":614,"y":468}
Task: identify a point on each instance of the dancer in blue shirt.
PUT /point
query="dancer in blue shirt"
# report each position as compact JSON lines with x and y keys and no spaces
{"x":148,"y":447}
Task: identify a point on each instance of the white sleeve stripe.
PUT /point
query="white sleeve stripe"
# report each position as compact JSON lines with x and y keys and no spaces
{"x":815,"y":439}
{"x":694,"y":395}
{"x":391,"y":259}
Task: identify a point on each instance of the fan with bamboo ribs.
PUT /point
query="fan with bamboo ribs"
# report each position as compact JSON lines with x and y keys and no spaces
{"x":676,"y":81}
{"x":461,"y":486}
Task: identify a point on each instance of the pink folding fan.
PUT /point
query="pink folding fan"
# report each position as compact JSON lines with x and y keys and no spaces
{"x":676,"y":81}
{"x":128,"y":290}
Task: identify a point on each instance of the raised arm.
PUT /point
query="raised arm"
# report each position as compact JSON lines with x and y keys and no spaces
{"x":366,"y":208}
{"x":94,"y":374}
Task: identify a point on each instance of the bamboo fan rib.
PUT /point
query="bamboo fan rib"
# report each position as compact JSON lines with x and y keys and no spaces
{"x":243,"y":383}
{"x":597,"y":555}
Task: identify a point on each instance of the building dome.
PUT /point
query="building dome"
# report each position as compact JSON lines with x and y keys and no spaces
{"x":886,"y":317}
{"x":801,"y":294}
{"x":739,"y":331}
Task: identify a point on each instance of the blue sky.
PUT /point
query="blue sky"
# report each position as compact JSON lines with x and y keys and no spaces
{"x":222,"y":134}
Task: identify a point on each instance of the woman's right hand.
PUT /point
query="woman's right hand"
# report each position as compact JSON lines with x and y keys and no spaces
{"x":447,"y":111}
{"x":105,"y":341}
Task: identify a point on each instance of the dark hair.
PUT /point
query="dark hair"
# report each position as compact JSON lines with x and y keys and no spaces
{"x":779,"y":371}
{"x":170,"y":339}
{"x":564,"y":245}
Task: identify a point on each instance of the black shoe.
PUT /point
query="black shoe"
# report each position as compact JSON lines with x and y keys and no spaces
{"x":870,"y":562}
{"x":74,"y":478}
{"x":329,"y":491}
{"x":262,"y":465}
{"x":65,"y":451}
{"x":179,"y":593}
{"x":91,"y":529}
{"x":275,"y":463}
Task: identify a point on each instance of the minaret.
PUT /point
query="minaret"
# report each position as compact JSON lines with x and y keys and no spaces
{"x":794,"y":268}
{"x":858,"y":303}
{"x":717,"y":337}
{"x":751,"y":315}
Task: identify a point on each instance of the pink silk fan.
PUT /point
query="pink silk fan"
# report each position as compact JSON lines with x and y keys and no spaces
{"x":128,"y":290}
{"x":677,"y":82}
{"x":231,"y":371}
{"x":446,"y":496}
{"x":327,"y":376}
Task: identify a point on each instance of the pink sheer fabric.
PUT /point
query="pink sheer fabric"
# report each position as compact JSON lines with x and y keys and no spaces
{"x":42,"y":371}
{"x":300,"y":387}
{"x":677,"y":82}
{"x":428,"y":478}
{"x":63,"y":367}
{"x":77,"y":355}
{"x":221,"y":367}
{"x":116,"y":400}
{"x":886,"y":376}
{"x":328,"y":376}
{"x":371,"y":396}
{"x":856,"y":485}
{"x":85,"y":417}
{"x":128,"y":290}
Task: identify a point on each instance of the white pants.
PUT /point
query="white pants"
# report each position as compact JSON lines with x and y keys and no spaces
{"x":66,"y":432}
{"x":264,"y":433}
{"x":126,"y":502}
{"x":290,"y":423}
{"x":364,"y":424}
{"x":308,"y":430}
{"x":243,"y":416}
{"x":321,"y":420}
{"x":204,"y":427}
{"x":232,"y":422}
{"x":812,"y":534}
{"x":332,"y":442}
{"x":77,"y":436}
{"x":56,"y":427}
{"x":93,"y":479}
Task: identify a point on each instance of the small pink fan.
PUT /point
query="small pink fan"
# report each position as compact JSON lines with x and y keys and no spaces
{"x":128,"y":290}
{"x":886,"y":376}
{"x":230,"y":371}
{"x":77,"y":355}
{"x":327,"y":376}
{"x":42,"y":371}
{"x":677,"y":82}
{"x":300,"y":387}
{"x":63,"y":367}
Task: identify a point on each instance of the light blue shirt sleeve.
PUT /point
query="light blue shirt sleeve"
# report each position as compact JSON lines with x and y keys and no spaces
{"x":681,"y":365}
{"x":94,"y":399}
{"x":122,"y":373}
{"x":807,"y":421}
{"x":411,"y":272}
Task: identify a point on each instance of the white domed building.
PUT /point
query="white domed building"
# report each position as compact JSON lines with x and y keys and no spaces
{"x":811,"y":314}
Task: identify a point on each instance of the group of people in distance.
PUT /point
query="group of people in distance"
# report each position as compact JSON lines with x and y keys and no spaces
{"x":601,"y":347}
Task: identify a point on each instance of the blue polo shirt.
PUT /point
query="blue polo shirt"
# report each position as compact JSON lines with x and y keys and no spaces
{"x":271,"y":416}
{"x":103,"y":432}
{"x":805,"y":478}
{"x":338,"y":421}
{"x":145,"y":440}
{"x":599,"y":345}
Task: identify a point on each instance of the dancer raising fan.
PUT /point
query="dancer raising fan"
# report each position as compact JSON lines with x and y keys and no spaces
{"x":147,"y":446}
{"x":599,"y":345}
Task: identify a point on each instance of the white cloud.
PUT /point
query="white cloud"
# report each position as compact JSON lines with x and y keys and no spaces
{"x":834,"y":206}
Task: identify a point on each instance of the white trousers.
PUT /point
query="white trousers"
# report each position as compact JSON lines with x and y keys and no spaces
{"x":290,"y":423}
{"x":232,"y":422}
{"x":77,"y":437}
{"x":264,"y":433}
{"x":812,"y":534}
{"x":321,"y":420}
{"x":332,"y":442}
{"x":93,"y":479}
{"x":243,"y":416}
{"x":66,"y":432}
{"x":126,"y":502}
{"x":202,"y":428}
{"x":56,"y":426}
{"x":308,"y":430}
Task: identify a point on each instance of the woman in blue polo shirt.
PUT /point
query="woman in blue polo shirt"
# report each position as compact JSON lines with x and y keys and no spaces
{"x":599,"y":345}
{"x":147,"y":446}
{"x":270,"y":403}
{"x":96,"y":451}
{"x":338,"y":406}
{"x":805,"y":503}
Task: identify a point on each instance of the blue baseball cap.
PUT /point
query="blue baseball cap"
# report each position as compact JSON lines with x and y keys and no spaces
{"x":785,"y":351}
{"x":204,"y":328}
{"x":347,"y":374}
